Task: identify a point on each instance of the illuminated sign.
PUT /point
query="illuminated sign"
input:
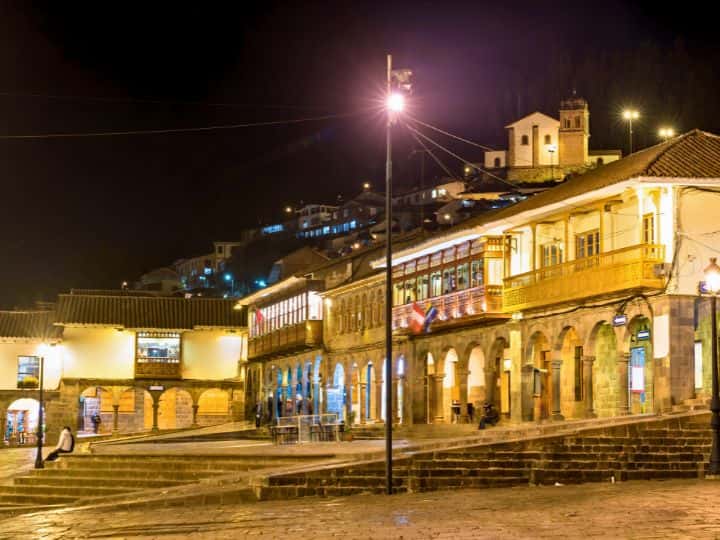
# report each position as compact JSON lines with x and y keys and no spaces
{"x":643,"y":335}
{"x":158,"y":387}
{"x":619,"y":320}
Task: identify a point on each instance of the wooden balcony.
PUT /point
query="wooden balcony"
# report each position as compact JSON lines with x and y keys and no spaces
{"x":631,"y":268}
{"x":157,"y":370}
{"x":305,"y":335}
{"x":456,"y":308}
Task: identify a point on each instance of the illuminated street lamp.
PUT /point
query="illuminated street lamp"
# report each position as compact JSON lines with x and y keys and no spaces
{"x":288,"y":209}
{"x":711,"y":286}
{"x":666,"y":133}
{"x":395,"y":104}
{"x":630,"y":115}
{"x":366,"y":186}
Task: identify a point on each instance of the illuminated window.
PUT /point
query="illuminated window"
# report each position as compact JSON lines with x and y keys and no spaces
{"x":463,"y":277}
{"x":551,"y":255}
{"x":423,"y":286}
{"x":314,"y":306}
{"x":448,"y":280}
{"x":649,"y":229}
{"x":158,"y":347}
{"x":28,"y":375}
{"x":434,"y":193}
{"x":435,"y":284}
{"x":476,"y":273}
{"x":587,"y":244}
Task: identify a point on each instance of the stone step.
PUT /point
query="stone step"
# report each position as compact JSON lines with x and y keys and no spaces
{"x":36,"y":499}
{"x":655,"y":474}
{"x":77,"y":491}
{"x":438,"y":483}
{"x":170,"y":465}
{"x":128,"y":482}
{"x":179,"y":475}
{"x":664,"y":465}
{"x":472,"y":463}
{"x":470,"y":473}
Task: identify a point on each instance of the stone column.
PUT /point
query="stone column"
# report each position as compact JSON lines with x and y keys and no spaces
{"x":378,"y":400}
{"x":397,"y":381}
{"x":348,"y":403}
{"x":588,"y":362}
{"x":116,"y":415}
{"x":195,"y":408}
{"x":323,"y":397}
{"x":555,"y":366}
{"x":156,"y":408}
{"x":439,"y":415}
{"x":363,"y":402}
{"x":624,"y":392}
{"x":490,"y":386}
{"x":462,"y":375}
{"x":284,"y":399}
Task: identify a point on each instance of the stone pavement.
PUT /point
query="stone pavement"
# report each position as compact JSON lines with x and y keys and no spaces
{"x":14,"y":461}
{"x":672,"y":509}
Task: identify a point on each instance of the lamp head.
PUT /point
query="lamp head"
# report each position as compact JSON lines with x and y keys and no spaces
{"x":712,"y":276}
{"x":396,"y":102}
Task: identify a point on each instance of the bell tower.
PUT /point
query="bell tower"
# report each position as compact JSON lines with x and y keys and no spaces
{"x":574,"y":132}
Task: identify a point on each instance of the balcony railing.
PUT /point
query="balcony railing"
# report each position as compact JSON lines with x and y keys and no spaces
{"x":456,"y":307}
{"x":304,"y":335}
{"x":611,"y":272}
{"x":157,"y":370}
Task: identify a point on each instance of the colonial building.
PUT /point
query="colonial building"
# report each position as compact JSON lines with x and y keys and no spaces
{"x":580,"y":301}
{"x":542,"y":148}
{"x":138,"y":362}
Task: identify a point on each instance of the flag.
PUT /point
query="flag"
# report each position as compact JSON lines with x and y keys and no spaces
{"x":417,"y":319}
{"x":430,"y":316}
{"x":259,"y":317}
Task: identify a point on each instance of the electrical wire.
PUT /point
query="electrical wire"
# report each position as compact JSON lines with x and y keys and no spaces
{"x":437,"y":160}
{"x":180,"y":130}
{"x":449,"y":134}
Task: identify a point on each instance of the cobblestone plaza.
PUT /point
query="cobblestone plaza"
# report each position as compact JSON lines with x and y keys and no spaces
{"x":671,"y":509}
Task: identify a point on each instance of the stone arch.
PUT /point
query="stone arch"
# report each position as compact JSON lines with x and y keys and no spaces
{"x":356,"y":393}
{"x":369,"y":376}
{"x":480,"y":379}
{"x":602,"y":350}
{"x":213,"y":407}
{"x":175,"y":409}
{"x":569,"y":351}
{"x":135,"y":410}
{"x":21,"y":421}
{"x":95,"y":401}
{"x":450,"y":385}
{"x":336,"y":391}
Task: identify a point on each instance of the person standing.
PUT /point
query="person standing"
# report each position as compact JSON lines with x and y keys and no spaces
{"x":65,"y":445}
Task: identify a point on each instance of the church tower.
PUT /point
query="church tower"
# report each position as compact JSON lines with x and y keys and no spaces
{"x":574,"y":132}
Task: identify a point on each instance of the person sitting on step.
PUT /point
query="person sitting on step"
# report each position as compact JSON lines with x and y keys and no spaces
{"x":65,"y":445}
{"x":490,"y":416}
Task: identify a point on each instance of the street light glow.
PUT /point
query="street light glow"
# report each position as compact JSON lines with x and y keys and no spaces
{"x":712,"y":276}
{"x":288,"y":209}
{"x":396,"y":102}
{"x":666,"y":133}
{"x":630,"y":114}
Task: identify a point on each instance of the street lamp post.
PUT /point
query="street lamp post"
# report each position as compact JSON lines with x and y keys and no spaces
{"x":551,"y":148}
{"x":711,"y":286}
{"x":38,"y":455}
{"x":630,"y":115}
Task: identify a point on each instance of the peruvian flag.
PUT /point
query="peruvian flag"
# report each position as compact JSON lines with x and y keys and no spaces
{"x":259,"y":317}
{"x":417,"y":318}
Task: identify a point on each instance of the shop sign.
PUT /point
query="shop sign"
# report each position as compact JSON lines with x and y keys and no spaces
{"x":643,"y":335}
{"x":157,"y":387}
{"x":620,"y":320}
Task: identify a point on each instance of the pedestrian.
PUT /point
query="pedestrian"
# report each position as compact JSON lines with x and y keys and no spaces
{"x":96,"y":419}
{"x":21,"y":433}
{"x":65,"y":445}
{"x":471,"y":412}
{"x":258,"y":414}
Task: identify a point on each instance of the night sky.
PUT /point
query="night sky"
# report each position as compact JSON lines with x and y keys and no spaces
{"x":91,"y":212}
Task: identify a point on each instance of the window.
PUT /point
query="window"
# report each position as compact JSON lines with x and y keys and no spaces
{"x":220,"y":250}
{"x":314,"y":306}
{"x":28,"y":374}
{"x":398,"y":294}
{"x":551,"y":255}
{"x":648,"y":229}
{"x":587,"y":244}
{"x":448,"y":280}
{"x":495,"y":272}
{"x":476,"y":273}
{"x":410,"y":291}
{"x":548,"y":139}
{"x":524,"y":140}
{"x":497,"y":162}
{"x":434,"y":193}
{"x":463,"y":276}
{"x":423,"y":286}
{"x":567,"y":122}
{"x":158,"y":348}
{"x":578,"y":122}
{"x":435,"y":284}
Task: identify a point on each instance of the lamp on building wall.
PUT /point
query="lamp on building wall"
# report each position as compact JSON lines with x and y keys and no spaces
{"x":710,"y":287}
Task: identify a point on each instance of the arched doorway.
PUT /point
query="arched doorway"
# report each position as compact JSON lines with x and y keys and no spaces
{"x":370,"y":393}
{"x":535,"y":379}
{"x":21,"y":422}
{"x":450,"y":388}
{"x":571,"y":369}
{"x":135,"y":410}
{"x":175,"y":409}
{"x":638,"y":344}
{"x":336,"y":393}
{"x":479,"y":388}
{"x":213,"y":407}
{"x":400,"y":390}
{"x":355,"y":394}
{"x":431,"y":395}
{"x":95,"y":413}
{"x":501,"y":384}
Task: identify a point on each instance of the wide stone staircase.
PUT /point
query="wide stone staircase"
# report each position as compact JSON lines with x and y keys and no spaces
{"x":649,"y":448}
{"x":94,"y":478}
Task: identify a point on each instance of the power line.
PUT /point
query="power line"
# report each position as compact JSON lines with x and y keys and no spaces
{"x":437,"y":160}
{"x":449,"y":134}
{"x":179,"y":130}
